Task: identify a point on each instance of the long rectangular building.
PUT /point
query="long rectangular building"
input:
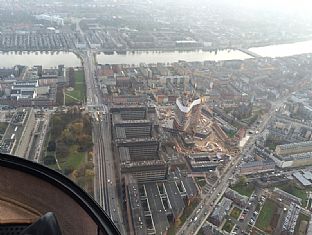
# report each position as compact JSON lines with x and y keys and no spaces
{"x":136,"y":143}
{"x":294,"y":148}
{"x":17,"y":137}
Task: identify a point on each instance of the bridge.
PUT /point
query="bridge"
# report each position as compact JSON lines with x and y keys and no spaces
{"x":248,"y":52}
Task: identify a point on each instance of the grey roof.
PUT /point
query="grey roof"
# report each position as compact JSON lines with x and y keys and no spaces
{"x":175,"y":198}
{"x":257,"y":163}
{"x":307,"y":175}
{"x":221,"y":209}
{"x":15,"y":91}
{"x":298,"y":156}
{"x":235,"y":196}
{"x":190,"y":187}
{"x":158,"y":212}
{"x":295,"y":145}
{"x":286,"y":195}
{"x":136,"y":209}
{"x":301,"y":179}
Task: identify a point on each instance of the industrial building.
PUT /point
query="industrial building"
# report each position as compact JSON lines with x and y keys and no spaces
{"x":146,"y":170}
{"x":187,"y":112}
{"x":152,"y":206}
{"x":24,"y":89}
{"x":18,"y":134}
{"x":205,"y":162}
{"x":136,"y":221}
{"x":302,"y":179}
{"x":135,"y":136}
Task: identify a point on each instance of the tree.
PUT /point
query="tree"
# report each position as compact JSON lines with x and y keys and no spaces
{"x":51,"y":146}
{"x":242,"y":179}
{"x":87,"y":126}
{"x":89,"y":172}
{"x":49,"y":160}
{"x":90,"y":156}
{"x":67,"y":136}
{"x":71,"y":77}
{"x":61,"y":149}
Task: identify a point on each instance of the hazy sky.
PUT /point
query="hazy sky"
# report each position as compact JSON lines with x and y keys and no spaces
{"x":282,"y":4}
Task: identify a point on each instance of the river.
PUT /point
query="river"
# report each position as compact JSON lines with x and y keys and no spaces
{"x":170,"y":57}
{"x":46,"y":59}
{"x":69,"y":59}
{"x":283,"y":50}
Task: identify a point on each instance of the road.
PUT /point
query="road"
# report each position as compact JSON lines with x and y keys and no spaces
{"x":105,"y":189}
{"x":207,"y":205}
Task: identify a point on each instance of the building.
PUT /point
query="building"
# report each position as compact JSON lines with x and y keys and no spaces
{"x":204,"y":162}
{"x":152,"y":206}
{"x":129,"y":99}
{"x":135,"y":215}
{"x":209,"y":229}
{"x":294,"y":148}
{"x":24,"y":90}
{"x":294,"y":160}
{"x":143,"y":171}
{"x":257,"y":167}
{"x":302,"y":179}
{"x":220,"y":211}
{"x":286,"y":196}
{"x":17,"y":137}
{"x":187,"y":112}
{"x":237,"y":198}
{"x":52,"y":19}
{"x":291,"y":219}
{"x":136,"y":142}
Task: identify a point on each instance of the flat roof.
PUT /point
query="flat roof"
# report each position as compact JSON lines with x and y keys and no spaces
{"x":302,"y":179}
{"x":175,"y":198}
{"x":190,"y":187}
{"x":307,"y":175}
{"x":136,"y":209}
{"x":158,"y":212}
{"x":258,"y":163}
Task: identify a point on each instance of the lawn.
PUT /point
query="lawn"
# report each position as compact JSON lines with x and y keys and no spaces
{"x":78,"y":94}
{"x":294,"y":190}
{"x":244,"y":188}
{"x":266,"y":215}
{"x":235,"y":213}
{"x":201,"y":182}
{"x":228,"y":226}
{"x":300,"y":219}
{"x":73,"y":160}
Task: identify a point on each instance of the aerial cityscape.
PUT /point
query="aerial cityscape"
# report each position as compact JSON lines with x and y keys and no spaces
{"x":176,"y":117}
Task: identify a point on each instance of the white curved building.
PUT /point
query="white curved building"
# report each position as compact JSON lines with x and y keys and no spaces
{"x":187,"y":112}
